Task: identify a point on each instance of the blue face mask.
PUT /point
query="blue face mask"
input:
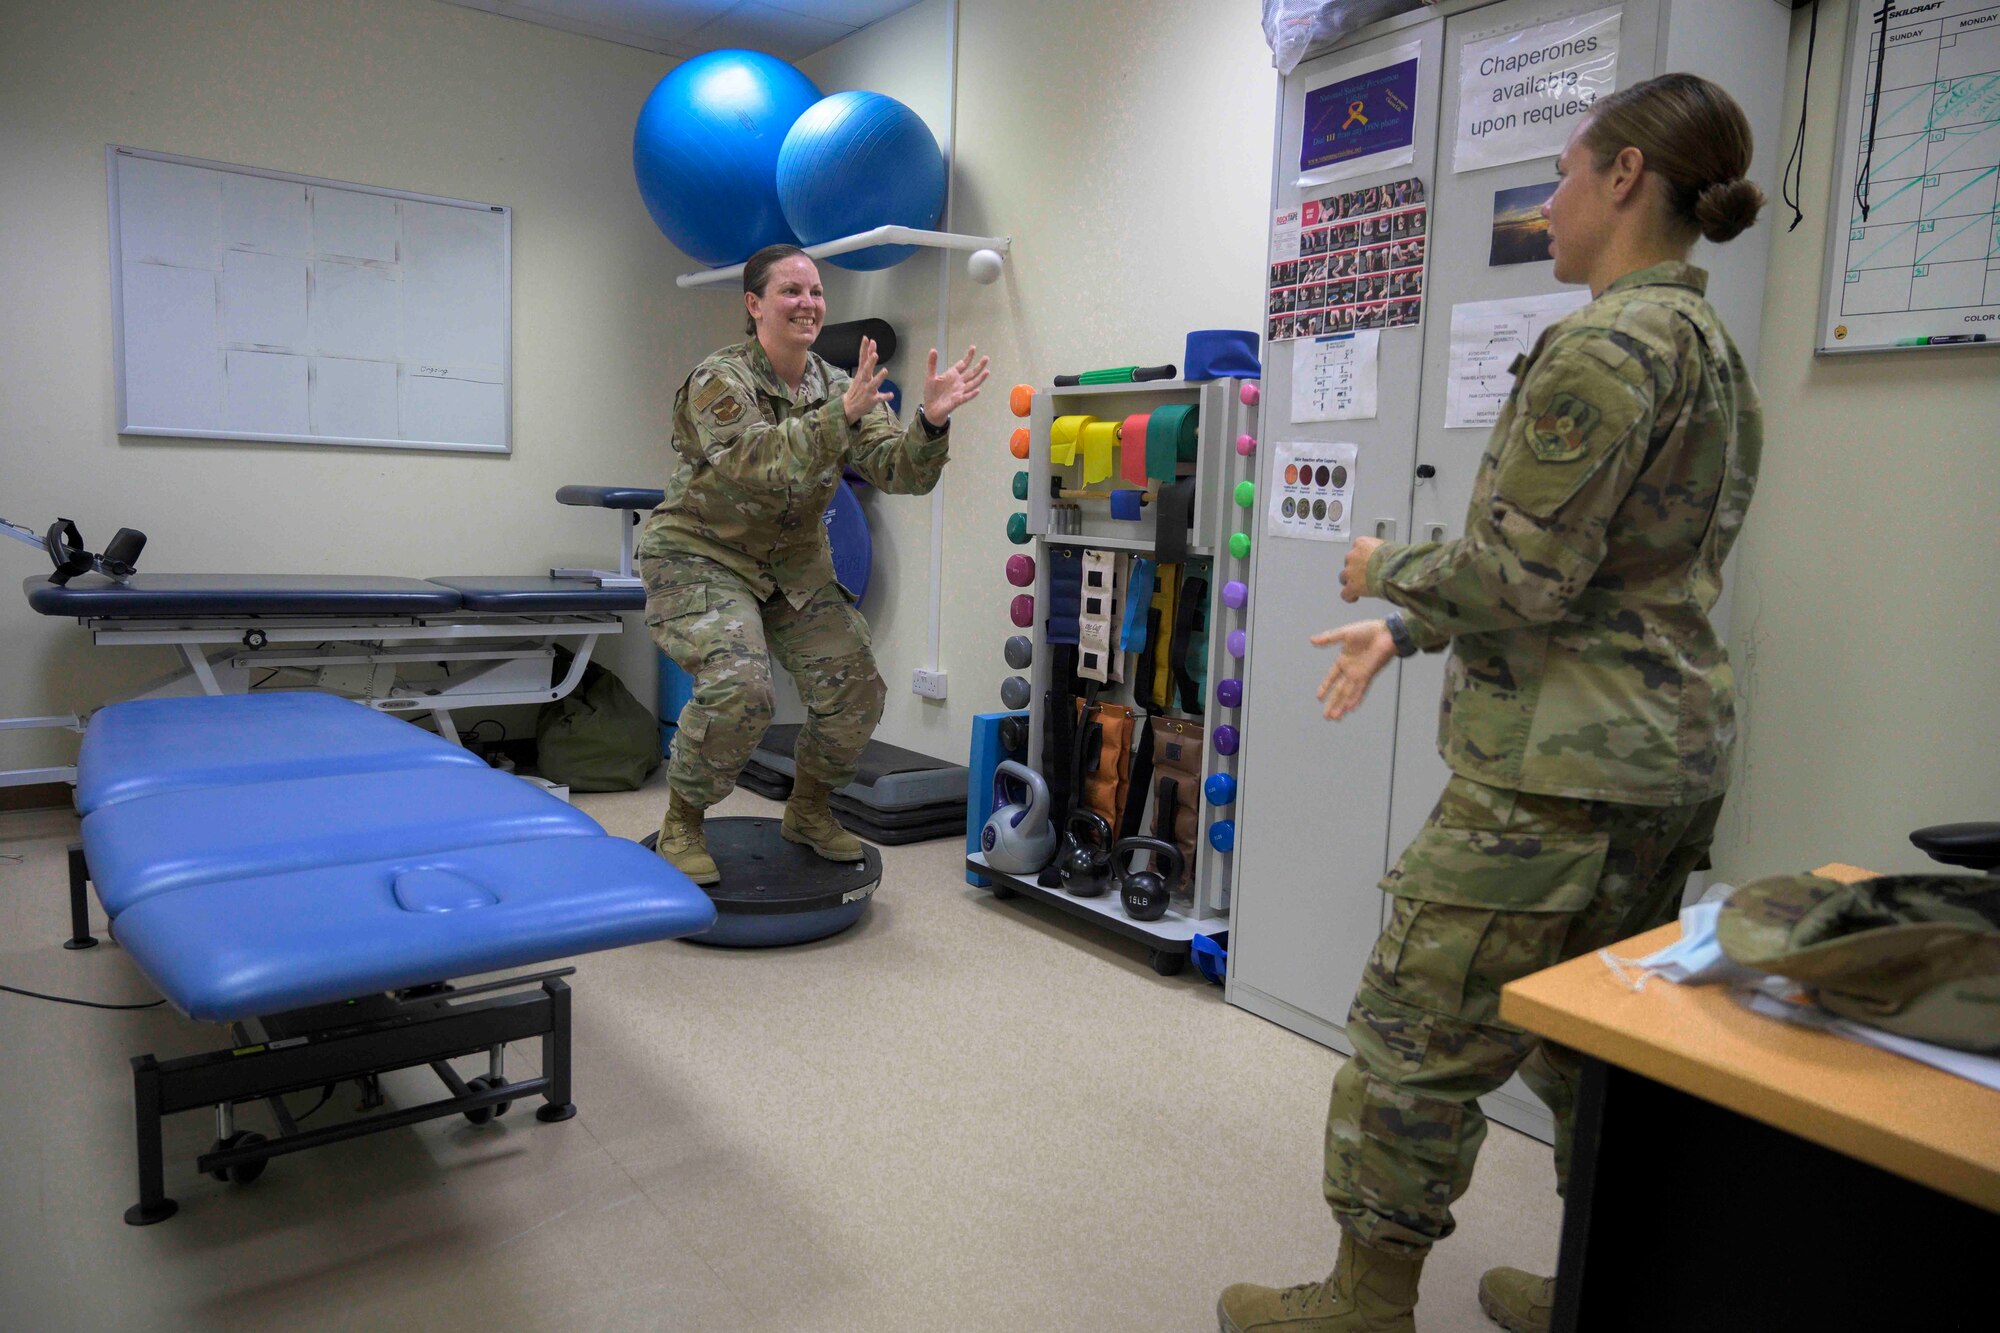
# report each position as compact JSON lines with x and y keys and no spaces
{"x":1695,"y":959}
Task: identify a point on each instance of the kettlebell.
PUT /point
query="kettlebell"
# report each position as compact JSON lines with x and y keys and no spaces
{"x":1085,"y":860}
{"x":1018,"y":838}
{"x":1145,"y":893}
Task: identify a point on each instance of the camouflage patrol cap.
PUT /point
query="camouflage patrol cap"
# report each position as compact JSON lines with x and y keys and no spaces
{"x":1917,"y":955}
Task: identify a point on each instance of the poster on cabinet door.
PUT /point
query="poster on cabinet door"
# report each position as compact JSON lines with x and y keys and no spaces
{"x":1362,"y":119}
{"x":1334,"y":377}
{"x":1311,"y":491}
{"x":1347,"y":262}
{"x":1520,"y":94}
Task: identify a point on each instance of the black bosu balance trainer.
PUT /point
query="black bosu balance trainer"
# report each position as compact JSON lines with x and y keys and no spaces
{"x":775,"y":892}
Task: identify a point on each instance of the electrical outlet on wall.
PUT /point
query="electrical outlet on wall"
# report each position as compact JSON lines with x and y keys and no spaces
{"x":929,"y":684}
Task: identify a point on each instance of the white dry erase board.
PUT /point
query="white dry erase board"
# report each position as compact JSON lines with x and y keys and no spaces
{"x":260,"y":305}
{"x":1913,"y":237}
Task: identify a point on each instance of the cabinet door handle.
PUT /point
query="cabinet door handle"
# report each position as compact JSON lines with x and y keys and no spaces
{"x":1385,"y":529}
{"x":1434,"y":533}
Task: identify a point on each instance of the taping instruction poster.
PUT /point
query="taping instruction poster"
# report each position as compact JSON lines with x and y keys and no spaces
{"x":1334,"y":377}
{"x":1487,"y":339}
{"x":1312,"y":491}
{"x":1363,"y":119}
{"x":1349,"y":261}
{"x":1520,"y":95}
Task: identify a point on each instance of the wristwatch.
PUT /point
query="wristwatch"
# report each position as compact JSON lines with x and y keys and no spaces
{"x":1399,"y":634}
{"x":932,"y":432}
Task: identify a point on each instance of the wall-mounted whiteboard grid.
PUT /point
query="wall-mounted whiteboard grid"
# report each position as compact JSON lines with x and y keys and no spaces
{"x":260,"y":305}
{"x":1919,"y":142}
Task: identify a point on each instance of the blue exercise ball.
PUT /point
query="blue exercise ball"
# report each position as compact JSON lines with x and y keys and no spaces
{"x":855,"y":161}
{"x":705,"y":152}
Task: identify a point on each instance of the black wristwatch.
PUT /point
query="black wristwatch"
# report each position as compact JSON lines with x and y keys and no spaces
{"x":1399,"y":634}
{"x":932,"y":432}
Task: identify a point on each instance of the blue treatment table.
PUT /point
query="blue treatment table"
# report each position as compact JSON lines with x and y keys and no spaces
{"x":313,"y":874}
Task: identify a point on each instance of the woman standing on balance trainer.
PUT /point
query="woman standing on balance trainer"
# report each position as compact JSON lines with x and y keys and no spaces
{"x":736,"y":560}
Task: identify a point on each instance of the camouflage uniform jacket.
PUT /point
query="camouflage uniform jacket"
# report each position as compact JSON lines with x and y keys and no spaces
{"x":1576,"y":604}
{"x":756,"y":466}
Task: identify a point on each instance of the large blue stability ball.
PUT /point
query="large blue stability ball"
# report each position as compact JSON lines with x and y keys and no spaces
{"x":705,"y":152}
{"x":856,"y":161}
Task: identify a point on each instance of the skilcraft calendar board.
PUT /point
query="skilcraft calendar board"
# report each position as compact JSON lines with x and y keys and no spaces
{"x":1921,"y":268}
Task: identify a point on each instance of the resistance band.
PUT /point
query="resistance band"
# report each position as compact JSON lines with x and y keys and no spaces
{"x":1063,"y":437}
{"x":1171,"y":438}
{"x":1132,"y":448}
{"x":1097,"y":437}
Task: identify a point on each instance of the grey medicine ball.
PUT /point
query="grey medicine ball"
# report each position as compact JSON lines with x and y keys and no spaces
{"x":1020,"y":652}
{"x":1014,"y":692}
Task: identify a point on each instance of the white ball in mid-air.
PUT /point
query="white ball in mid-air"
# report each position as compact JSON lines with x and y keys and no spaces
{"x":983,"y":266}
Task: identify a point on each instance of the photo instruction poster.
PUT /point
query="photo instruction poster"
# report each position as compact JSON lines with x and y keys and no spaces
{"x":1347,"y":262}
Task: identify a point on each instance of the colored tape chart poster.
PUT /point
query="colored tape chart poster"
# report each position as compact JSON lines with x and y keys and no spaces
{"x":1520,"y":94}
{"x":1349,"y":261}
{"x":1311,"y":491}
{"x":1363,"y":119}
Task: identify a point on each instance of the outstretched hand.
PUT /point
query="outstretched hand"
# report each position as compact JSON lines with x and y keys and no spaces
{"x":864,"y":391}
{"x":958,"y":385}
{"x":1365,"y":648}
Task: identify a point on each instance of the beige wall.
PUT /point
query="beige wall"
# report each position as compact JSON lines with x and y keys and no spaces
{"x":1866,"y":627}
{"x":400,"y":93}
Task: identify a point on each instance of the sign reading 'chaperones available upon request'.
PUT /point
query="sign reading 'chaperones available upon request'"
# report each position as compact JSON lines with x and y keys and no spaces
{"x":1520,"y":95}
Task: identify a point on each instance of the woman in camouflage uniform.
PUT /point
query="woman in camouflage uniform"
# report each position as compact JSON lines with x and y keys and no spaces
{"x":1589,"y":708}
{"x":736,"y":560}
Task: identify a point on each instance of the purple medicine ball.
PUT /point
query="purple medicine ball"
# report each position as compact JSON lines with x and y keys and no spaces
{"x":1022,"y":612}
{"x":1226,"y":739}
{"x":1238,"y":644}
{"x":1020,"y":570}
{"x":1229,"y":693}
{"x":1234,"y":594}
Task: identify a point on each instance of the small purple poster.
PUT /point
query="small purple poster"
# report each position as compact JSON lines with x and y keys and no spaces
{"x":1365,"y":118}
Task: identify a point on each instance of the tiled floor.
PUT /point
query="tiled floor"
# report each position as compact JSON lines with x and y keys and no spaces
{"x":962,"y":1114}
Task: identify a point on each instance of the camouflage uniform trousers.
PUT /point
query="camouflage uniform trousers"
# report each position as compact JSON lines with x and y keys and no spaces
{"x":1497,"y":885}
{"x":715,"y":628}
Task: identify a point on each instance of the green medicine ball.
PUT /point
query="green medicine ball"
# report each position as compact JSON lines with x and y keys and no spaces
{"x":1239,"y":545}
{"x":1246,"y":494}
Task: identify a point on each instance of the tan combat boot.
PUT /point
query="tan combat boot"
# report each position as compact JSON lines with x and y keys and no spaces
{"x":1369,"y":1291}
{"x":1517,"y":1301}
{"x":682,"y":844}
{"x":810,"y":822}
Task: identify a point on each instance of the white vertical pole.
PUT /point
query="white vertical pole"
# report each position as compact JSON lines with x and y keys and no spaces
{"x":945,"y":259}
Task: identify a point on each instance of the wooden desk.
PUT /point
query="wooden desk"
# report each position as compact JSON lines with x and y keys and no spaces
{"x":1771,"y":1176}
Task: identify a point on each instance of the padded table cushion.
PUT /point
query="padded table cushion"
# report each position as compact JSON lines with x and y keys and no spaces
{"x":266,"y":945}
{"x":152,"y":845}
{"x":150,"y":746}
{"x":240,"y":595}
{"x":528,"y":594}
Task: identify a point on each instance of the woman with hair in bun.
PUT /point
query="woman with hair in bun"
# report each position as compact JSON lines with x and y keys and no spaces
{"x":1589,"y":708}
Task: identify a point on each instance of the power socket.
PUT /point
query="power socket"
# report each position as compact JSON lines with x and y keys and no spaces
{"x":928,"y":684}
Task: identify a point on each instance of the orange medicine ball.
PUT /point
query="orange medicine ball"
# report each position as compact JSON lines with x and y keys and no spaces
{"x":1018,"y":446}
{"x":1022,"y":399}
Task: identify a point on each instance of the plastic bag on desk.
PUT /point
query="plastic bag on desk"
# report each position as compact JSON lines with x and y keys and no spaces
{"x":1294,"y":27}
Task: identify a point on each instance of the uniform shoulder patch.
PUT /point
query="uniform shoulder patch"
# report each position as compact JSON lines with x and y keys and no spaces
{"x":714,"y":389}
{"x":727,"y":411}
{"x":1561,"y":432}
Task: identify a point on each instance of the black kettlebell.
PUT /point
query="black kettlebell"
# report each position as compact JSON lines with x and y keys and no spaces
{"x":1145,"y":893}
{"x":1085,"y":860}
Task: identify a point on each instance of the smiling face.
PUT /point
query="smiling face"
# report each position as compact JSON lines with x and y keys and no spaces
{"x":792,"y":308}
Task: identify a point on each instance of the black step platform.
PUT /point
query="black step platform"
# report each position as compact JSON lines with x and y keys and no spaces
{"x":889,"y":777}
{"x":775,"y":892}
{"x":891,"y":828}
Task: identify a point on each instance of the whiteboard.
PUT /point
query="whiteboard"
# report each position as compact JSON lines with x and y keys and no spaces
{"x":260,"y":305}
{"x":1920,"y":266}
